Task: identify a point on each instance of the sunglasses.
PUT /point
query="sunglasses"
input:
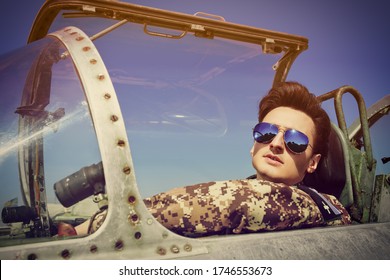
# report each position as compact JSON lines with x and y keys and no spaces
{"x":295,"y":140}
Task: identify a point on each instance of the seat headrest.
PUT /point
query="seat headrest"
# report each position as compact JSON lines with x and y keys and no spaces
{"x":330,"y":175}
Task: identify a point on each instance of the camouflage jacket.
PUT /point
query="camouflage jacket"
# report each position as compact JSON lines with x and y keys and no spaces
{"x":238,"y":206}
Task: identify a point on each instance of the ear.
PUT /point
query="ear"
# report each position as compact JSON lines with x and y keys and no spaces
{"x":315,"y":159}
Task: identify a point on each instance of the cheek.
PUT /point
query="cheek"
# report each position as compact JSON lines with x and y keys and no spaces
{"x":256,"y":154}
{"x":302,"y":163}
{"x":256,"y":148}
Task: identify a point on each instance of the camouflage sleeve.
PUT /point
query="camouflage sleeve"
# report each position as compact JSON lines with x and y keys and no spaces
{"x":236,"y":206}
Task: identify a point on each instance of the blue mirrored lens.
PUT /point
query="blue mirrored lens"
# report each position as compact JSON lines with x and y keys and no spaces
{"x":296,"y":141}
{"x":264,"y":132}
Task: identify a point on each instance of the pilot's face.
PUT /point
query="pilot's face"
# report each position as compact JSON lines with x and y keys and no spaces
{"x":273,"y":160}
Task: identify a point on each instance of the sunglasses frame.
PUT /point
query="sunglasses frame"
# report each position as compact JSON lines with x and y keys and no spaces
{"x":284,"y":135}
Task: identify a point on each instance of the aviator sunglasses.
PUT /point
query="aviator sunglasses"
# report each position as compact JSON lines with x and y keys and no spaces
{"x":295,"y":140}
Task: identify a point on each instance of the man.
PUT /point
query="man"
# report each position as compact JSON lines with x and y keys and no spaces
{"x":290,"y":139}
{"x":289,"y":112}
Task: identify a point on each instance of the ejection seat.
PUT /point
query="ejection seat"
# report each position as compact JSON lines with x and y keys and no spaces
{"x":333,"y":174}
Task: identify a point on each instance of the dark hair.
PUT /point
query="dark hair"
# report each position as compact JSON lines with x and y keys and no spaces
{"x":296,"y":96}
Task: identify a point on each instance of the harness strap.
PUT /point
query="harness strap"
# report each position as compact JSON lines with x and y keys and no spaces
{"x":328,"y":210}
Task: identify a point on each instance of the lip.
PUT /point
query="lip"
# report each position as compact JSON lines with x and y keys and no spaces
{"x":273,"y":159}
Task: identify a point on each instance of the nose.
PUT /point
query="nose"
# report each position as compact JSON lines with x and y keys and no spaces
{"x":277,"y":144}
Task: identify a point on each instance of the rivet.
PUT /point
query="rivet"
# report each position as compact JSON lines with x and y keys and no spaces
{"x":86,"y":49}
{"x":137,"y":235}
{"x":107,"y":96}
{"x":32,"y":256}
{"x":165,"y":235}
{"x":126,"y":170}
{"x":119,"y":245}
{"x":79,"y":38}
{"x":149,"y":221}
{"x":161,"y":251}
{"x":133,"y":218}
{"x":175,"y":249}
{"x":121,"y":143}
{"x":93,"y":61}
{"x":188,"y":248}
{"x":93,"y":249}
{"x":101,"y":77}
{"x":131,"y":199}
{"x":65,"y":254}
{"x":114,"y":118}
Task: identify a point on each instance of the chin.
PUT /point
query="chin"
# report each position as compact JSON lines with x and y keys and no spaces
{"x":278,"y":180}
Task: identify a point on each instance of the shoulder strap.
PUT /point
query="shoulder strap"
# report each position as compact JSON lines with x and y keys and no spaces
{"x":328,"y":210}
